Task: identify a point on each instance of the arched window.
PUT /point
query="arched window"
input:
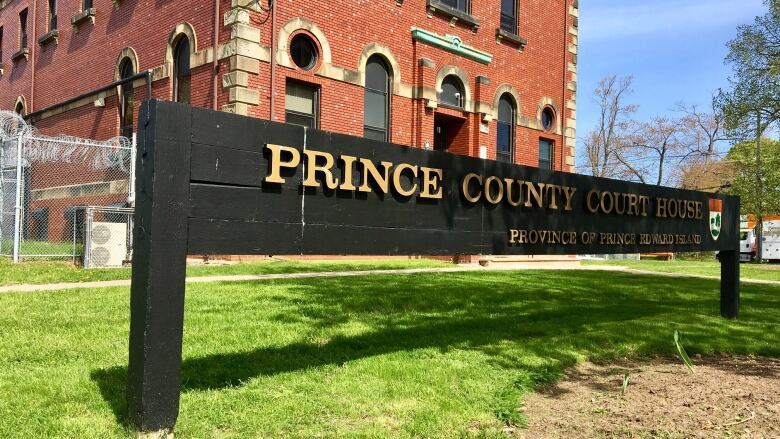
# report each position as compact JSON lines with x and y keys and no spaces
{"x":127,"y":101}
{"x":181,"y":70}
{"x":376,"y":104}
{"x":19,"y":108}
{"x":451,"y":93}
{"x":505,"y":132}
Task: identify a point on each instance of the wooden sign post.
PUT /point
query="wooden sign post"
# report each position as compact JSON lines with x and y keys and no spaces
{"x":216,"y":183}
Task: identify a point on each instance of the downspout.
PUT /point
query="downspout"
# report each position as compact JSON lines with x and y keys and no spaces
{"x":273,"y":60}
{"x":565,"y":70}
{"x":32,"y":47}
{"x":215,"y":61}
{"x":149,"y":84}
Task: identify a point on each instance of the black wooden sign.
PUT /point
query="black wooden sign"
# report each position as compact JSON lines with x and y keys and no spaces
{"x":215,"y":183}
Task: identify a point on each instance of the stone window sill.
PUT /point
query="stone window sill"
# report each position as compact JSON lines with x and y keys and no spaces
{"x":502,"y":35}
{"x":455,"y":15}
{"x":22,"y":53}
{"x":83,"y":16}
{"x":52,"y":35}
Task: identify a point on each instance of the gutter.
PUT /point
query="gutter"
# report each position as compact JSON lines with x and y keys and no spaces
{"x":147,"y":75}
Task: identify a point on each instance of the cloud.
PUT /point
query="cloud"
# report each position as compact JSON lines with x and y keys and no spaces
{"x":602,"y":20}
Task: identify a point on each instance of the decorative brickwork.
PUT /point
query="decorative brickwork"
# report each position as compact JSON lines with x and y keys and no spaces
{"x":540,"y":68}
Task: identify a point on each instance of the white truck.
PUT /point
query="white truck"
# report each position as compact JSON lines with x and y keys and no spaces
{"x":747,"y":245}
{"x":747,"y":241}
{"x":770,"y":241}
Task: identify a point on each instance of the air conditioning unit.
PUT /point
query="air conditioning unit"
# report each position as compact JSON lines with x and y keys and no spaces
{"x":107,"y":245}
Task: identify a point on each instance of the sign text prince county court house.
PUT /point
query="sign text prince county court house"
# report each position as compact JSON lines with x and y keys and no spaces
{"x":322,"y":170}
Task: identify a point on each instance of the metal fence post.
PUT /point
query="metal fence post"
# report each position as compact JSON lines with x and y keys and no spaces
{"x":18,"y":200}
{"x":131,"y":176}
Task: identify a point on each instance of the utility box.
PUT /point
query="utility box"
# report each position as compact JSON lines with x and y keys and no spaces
{"x":107,"y":236}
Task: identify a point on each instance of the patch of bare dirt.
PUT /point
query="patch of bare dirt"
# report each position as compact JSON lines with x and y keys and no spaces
{"x":726,"y":397}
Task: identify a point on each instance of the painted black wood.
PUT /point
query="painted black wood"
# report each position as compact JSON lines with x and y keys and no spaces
{"x":230,"y":162}
{"x":159,"y":255}
{"x":201,"y":190}
{"x":729,"y":284}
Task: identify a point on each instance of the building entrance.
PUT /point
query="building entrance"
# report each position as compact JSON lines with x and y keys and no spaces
{"x":445,"y":130}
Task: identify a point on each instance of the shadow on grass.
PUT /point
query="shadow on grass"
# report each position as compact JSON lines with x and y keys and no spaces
{"x":593,"y":314}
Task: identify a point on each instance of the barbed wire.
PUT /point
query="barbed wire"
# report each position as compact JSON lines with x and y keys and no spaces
{"x":39,"y":148}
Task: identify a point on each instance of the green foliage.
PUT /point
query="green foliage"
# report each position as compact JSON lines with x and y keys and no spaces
{"x":624,"y":387}
{"x":43,"y":272}
{"x":689,"y":267}
{"x":745,"y":184}
{"x":425,"y":356}
{"x":681,"y":350}
{"x":755,"y":83}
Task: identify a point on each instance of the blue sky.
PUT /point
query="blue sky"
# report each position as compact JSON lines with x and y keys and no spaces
{"x":673,"y":49}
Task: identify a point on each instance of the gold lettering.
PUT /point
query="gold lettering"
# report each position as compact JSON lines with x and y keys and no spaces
{"x":591,"y":207}
{"x":346,"y":178}
{"x":698,"y":210}
{"x":645,"y":201}
{"x":509,"y":183}
{"x":604,"y":196}
{"x":397,"y":179}
{"x":633,"y":208}
{"x":513,"y":234}
{"x":618,"y":196}
{"x":553,"y":192}
{"x":312,"y":168}
{"x":671,"y":208}
{"x":568,"y":194}
{"x":531,"y":191}
{"x":660,"y":207}
{"x":465,"y":187}
{"x":431,"y":184}
{"x":380,"y":180}
{"x":274,"y":176}
{"x":488,"y":194}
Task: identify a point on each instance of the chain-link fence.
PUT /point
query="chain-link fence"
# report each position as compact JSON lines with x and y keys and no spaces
{"x":48,"y":186}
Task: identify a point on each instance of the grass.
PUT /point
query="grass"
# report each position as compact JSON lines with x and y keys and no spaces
{"x":44,"y":272}
{"x":707,"y":268}
{"x":50,"y":249}
{"x":391,"y":356}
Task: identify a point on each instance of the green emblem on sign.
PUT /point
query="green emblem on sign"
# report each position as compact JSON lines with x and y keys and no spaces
{"x":715,"y":224}
{"x":716,"y":207}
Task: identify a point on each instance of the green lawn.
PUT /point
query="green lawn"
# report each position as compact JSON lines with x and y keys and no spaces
{"x":49,"y":249}
{"x":43,"y":272}
{"x":709,"y":268}
{"x":397,"y":356}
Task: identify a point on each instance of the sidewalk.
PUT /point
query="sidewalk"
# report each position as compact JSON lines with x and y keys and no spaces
{"x":29,"y":288}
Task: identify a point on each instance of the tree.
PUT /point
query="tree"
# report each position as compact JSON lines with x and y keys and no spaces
{"x":703,"y":131}
{"x":605,"y":141}
{"x":753,"y":101}
{"x":752,"y":104}
{"x":708,"y":176}
{"x":650,"y":147}
{"x":763,"y":195}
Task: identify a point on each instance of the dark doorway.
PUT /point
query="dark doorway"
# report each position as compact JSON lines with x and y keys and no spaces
{"x":445,"y":131}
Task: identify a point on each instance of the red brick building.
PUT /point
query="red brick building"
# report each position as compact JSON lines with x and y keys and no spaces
{"x":493,"y":78}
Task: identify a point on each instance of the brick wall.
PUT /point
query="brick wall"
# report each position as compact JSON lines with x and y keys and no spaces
{"x":85,"y":57}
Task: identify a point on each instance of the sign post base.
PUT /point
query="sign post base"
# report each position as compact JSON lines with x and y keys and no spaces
{"x":729,"y":284}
